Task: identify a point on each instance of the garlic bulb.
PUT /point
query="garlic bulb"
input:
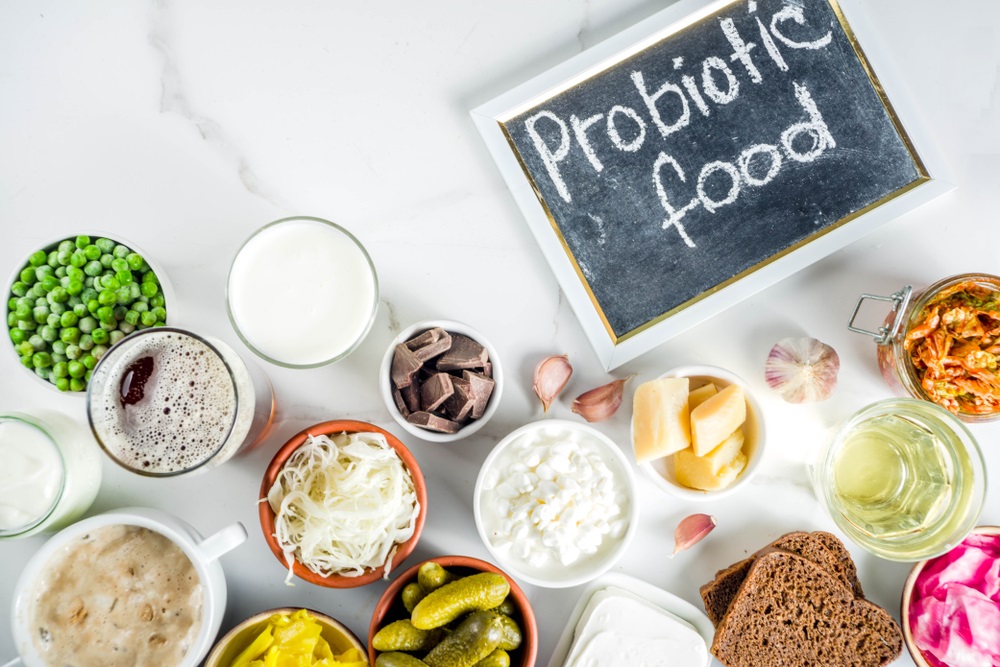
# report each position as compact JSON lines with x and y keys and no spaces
{"x":551,"y":375}
{"x":802,"y":370}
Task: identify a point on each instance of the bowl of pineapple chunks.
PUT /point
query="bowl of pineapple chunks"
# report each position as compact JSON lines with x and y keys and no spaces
{"x":697,"y":432}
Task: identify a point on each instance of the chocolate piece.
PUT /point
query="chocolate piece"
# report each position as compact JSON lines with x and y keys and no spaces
{"x":432,"y":422}
{"x":460,"y":404}
{"x":482,"y":388}
{"x":435,"y":391}
{"x":405,"y":365}
{"x":397,"y":396}
{"x":464,"y":353}
{"x":488,"y":369}
{"x":430,"y":343}
{"x":411,"y":396}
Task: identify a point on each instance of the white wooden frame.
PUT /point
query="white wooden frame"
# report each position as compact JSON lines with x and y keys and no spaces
{"x":610,"y":351}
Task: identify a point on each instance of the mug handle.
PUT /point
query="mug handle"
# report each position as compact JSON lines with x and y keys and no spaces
{"x":223,"y":541}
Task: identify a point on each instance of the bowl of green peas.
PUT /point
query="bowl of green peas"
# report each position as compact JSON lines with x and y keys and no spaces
{"x":71,"y":300}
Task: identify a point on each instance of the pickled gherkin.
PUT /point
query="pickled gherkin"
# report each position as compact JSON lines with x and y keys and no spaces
{"x":475,"y":638}
{"x":477,"y":592}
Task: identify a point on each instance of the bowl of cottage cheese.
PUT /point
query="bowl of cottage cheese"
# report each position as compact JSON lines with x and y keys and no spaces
{"x":556,"y":503}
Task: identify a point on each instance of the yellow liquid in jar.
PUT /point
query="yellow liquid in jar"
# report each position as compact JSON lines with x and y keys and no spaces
{"x":900,"y":484}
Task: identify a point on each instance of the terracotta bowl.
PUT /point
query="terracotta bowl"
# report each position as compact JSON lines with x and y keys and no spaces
{"x":337,"y":635}
{"x":277,"y":463}
{"x":904,"y":606}
{"x":390,"y":607}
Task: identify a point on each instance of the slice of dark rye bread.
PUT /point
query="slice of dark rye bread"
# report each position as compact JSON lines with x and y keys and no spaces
{"x":790,"y":611}
{"x":821,"y":548}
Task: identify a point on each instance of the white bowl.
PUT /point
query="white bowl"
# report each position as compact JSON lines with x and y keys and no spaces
{"x":385,"y":381}
{"x":554,"y":574}
{"x":661,"y":471}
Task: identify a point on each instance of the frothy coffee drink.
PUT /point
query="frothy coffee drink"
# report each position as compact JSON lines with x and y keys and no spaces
{"x":119,"y":596}
{"x":168,"y":402}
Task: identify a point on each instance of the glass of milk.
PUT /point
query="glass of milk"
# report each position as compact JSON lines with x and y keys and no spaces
{"x":50,"y":472}
{"x":302,"y":292}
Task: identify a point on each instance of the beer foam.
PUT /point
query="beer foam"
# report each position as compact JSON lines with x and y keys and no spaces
{"x":186,"y":414}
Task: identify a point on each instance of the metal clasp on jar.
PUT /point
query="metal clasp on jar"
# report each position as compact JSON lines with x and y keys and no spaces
{"x":887,"y":332}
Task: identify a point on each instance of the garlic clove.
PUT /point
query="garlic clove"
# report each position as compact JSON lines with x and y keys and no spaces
{"x":601,"y":403}
{"x":551,"y":375}
{"x":692,"y":530}
{"x":802,"y":370}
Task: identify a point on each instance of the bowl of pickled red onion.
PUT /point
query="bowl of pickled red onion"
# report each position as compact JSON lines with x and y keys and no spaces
{"x":950,"y":609}
{"x":342,"y":504}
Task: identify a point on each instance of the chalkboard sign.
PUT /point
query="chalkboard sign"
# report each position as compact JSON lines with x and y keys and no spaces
{"x":693,"y":158}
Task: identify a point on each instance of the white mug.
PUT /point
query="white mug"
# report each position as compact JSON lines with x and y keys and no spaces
{"x":203,"y":553}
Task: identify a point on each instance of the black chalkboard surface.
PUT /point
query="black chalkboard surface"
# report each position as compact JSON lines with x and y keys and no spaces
{"x":701,"y":157}
{"x":705,"y":153}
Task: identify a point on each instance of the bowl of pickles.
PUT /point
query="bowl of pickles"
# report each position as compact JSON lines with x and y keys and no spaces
{"x":70,"y":300}
{"x":453,"y":608}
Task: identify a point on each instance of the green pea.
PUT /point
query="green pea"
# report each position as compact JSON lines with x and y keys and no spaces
{"x":49,"y":283}
{"x":100,"y":336}
{"x":107,"y":298}
{"x":77,"y":260}
{"x":68,"y":319}
{"x":93,"y":306}
{"x":27,"y":325}
{"x":26,"y":349}
{"x":60,"y":273}
{"x":56,"y":358}
{"x":60,"y":369}
{"x":76,"y":369}
{"x":23,"y":310}
{"x":134,"y":291}
{"x":160,"y":313}
{"x":62,"y":384}
{"x":44,"y":271}
{"x":149,"y":290}
{"x":58,"y":347}
{"x":56,"y":308}
{"x":88,"y":294}
{"x":28,"y":276}
{"x":106,"y":260}
{"x":37,"y":343}
{"x":87,"y":324}
{"x":66,"y":246}
{"x":93,"y":268}
{"x":12,"y":319}
{"x":26,"y":362}
{"x":106,"y":315}
{"x":92,"y":252}
{"x":123,"y":295}
{"x":52,"y":320}
{"x":70,"y":335}
{"x":59,"y":295}
{"x":81,"y":310}
{"x":106,"y":245}
{"x":19,"y":288}
{"x":49,"y":333}
{"x":76,"y":273}
{"x":108,"y":281}
{"x":77,"y":384}
{"x":17,"y":336}
{"x":43,"y":372}
{"x":86,"y":342}
{"x":75,"y":287}
{"x":88,"y":374}
{"x":121,"y":252}
{"x":119,"y":264}
{"x":63,"y":256}
{"x":135,"y":261}
{"x":73,"y":351}
{"x":40,"y":314}
{"x":37,"y":258}
{"x":99,"y":351}
{"x":82,"y":241}
{"x":150,"y":277}
{"x":41,"y":359}
{"x":131,"y":317}
{"x":89,"y":362}
{"x":140,"y":307}
{"x":125,"y":328}
{"x":36,"y":290}
{"x":52,"y":259}
{"x":124,"y":277}
{"x":115,"y":336}
{"x":119,"y":312}
{"x":148,"y":318}
{"x":157,"y":301}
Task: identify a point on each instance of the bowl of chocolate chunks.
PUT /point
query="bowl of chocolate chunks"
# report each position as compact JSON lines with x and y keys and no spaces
{"x":441,"y":380}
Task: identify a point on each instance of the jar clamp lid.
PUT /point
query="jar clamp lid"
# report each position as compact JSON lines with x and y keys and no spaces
{"x":887,"y":332}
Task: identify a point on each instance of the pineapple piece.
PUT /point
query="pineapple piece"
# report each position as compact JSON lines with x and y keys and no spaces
{"x":701,"y":394}
{"x":695,"y":471}
{"x":660,"y":418}
{"x":716,"y":418}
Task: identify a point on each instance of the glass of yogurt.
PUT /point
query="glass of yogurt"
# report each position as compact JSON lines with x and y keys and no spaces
{"x":50,"y":472}
{"x":302,"y":292}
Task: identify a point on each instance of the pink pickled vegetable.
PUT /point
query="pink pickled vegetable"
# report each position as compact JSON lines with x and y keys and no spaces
{"x":955,"y":608}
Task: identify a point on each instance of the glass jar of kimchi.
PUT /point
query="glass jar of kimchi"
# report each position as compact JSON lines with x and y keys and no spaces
{"x":942,"y":344}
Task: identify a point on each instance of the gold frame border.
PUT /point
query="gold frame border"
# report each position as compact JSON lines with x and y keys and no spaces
{"x":923,"y":176}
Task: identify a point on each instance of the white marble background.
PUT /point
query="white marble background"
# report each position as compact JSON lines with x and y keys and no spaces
{"x":185,"y":125}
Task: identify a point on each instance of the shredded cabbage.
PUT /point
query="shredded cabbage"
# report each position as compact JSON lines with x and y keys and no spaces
{"x":343,"y":504}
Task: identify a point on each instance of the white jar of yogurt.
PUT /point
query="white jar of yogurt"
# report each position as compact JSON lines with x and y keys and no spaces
{"x":50,"y":474}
